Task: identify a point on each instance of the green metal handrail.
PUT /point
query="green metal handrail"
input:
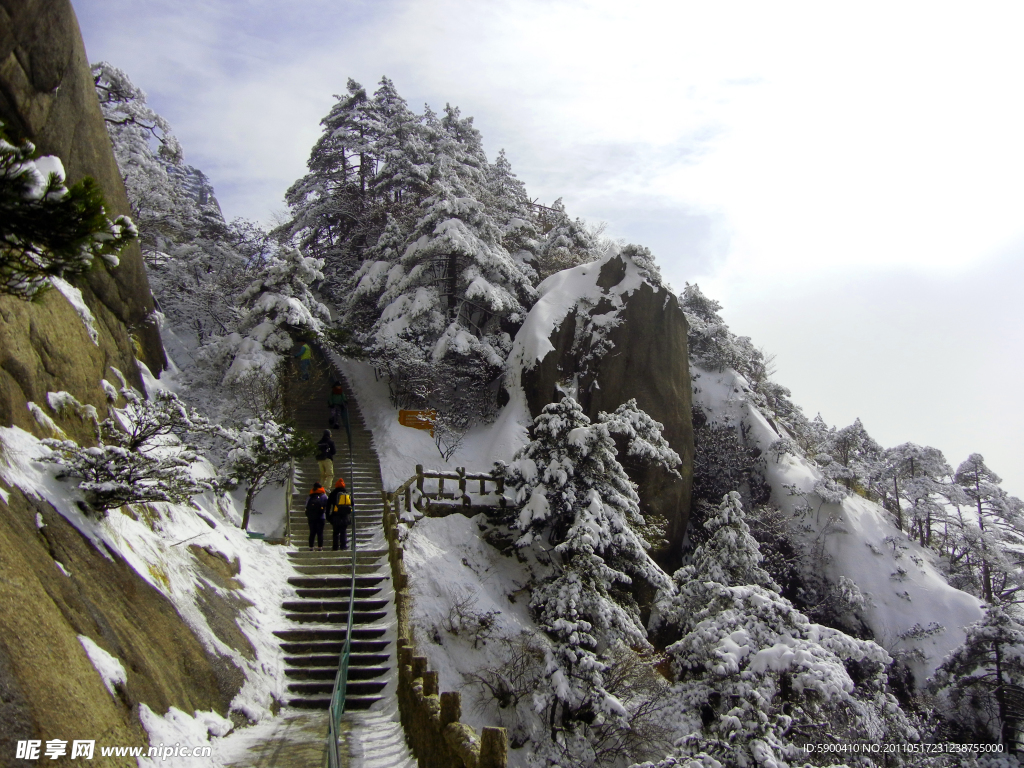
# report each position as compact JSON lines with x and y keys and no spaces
{"x":337,"y":706}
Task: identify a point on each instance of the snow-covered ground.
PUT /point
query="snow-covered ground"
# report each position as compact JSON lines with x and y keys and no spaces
{"x":859,"y":541}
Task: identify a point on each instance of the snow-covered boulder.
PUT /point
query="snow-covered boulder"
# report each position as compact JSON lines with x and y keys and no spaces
{"x":607,"y":332}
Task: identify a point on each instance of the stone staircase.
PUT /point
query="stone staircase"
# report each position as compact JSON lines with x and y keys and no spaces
{"x":319,"y":613}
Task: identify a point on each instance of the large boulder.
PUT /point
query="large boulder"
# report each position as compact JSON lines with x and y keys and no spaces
{"x":47,"y":96}
{"x":607,"y":332}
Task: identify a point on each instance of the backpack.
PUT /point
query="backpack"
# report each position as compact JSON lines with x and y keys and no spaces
{"x":342,"y":509}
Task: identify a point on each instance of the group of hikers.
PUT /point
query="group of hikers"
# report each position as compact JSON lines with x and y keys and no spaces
{"x":323,"y":507}
{"x":334,"y":508}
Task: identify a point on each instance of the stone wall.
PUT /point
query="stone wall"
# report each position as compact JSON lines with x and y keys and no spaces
{"x":47,"y":96}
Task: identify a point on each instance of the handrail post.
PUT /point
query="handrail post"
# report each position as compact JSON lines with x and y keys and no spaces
{"x":289,"y":490}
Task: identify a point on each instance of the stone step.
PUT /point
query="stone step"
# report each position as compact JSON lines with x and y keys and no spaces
{"x":327,"y":634}
{"x":336,"y":593}
{"x":362,"y":555}
{"x":326,"y":649}
{"x":335,"y":570}
{"x":329,"y":673}
{"x":324,"y":687}
{"x":323,"y":702}
{"x":334,"y":606}
{"x":336,"y":617}
{"x":338,"y":582}
{"x":331,"y":660}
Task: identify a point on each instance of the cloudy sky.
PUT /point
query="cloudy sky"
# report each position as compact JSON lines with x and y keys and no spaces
{"x":848,"y":182}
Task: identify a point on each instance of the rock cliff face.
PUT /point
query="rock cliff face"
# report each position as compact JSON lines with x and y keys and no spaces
{"x":605,"y":334}
{"x":48,"y":687}
{"x":47,"y":96}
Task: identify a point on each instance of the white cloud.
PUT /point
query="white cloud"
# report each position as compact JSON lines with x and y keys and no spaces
{"x":742,"y":140}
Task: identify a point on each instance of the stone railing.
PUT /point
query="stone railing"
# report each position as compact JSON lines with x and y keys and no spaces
{"x":431,"y":719}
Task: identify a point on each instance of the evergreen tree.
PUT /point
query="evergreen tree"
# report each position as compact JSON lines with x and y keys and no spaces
{"x":139,"y":454}
{"x":999,"y":524}
{"x":455,"y":289}
{"x":974,"y":681}
{"x":755,"y":677}
{"x":566,"y":242}
{"x":275,"y":311}
{"x":574,"y":496}
{"x":259,"y":455}
{"x":47,"y":230}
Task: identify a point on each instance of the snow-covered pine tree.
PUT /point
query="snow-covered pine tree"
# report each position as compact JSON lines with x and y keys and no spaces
{"x":402,"y":171}
{"x":857,"y":451}
{"x":756,"y":678}
{"x":134,"y":129}
{"x":259,"y":455}
{"x":276,"y":310}
{"x":455,"y":291}
{"x":577,"y":506}
{"x":979,"y":683}
{"x":140,"y":455}
{"x":566,"y":242}
{"x":1000,"y":523}
{"x":513,"y":212}
{"x":644,"y":440}
{"x":729,"y":556}
{"x":50,"y":231}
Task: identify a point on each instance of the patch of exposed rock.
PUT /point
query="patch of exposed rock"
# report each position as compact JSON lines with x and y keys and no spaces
{"x":47,"y":96}
{"x":605,"y":333}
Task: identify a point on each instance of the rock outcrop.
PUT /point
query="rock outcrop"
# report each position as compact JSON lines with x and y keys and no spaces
{"x":55,"y":584}
{"x":606,"y":333}
{"x":47,"y":96}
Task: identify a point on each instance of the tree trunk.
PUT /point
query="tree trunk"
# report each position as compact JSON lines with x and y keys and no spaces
{"x":899,"y":508}
{"x":1001,"y":695}
{"x":250,"y":494}
{"x":452,"y":284}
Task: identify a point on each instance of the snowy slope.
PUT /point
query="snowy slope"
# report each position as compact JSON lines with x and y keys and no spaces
{"x":158,"y":551}
{"x":857,"y":537}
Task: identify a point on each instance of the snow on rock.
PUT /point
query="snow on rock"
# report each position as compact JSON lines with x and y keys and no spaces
{"x":74,"y":297}
{"x":558,"y":295}
{"x":177,"y":727}
{"x":159,"y":553}
{"x":43,"y":419}
{"x":109,"y":667}
{"x":858,"y":540}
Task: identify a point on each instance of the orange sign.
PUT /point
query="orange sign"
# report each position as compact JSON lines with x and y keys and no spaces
{"x":418,"y":419}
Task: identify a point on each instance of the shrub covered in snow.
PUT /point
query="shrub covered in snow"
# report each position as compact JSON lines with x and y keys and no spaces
{"x":139,"y":456}
{"x":979,"y":685}
{"x":755,"y":676}
{"x":259,"y":455}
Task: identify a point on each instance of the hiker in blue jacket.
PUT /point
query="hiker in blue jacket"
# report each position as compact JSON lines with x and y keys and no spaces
{"x":316,"y":514}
